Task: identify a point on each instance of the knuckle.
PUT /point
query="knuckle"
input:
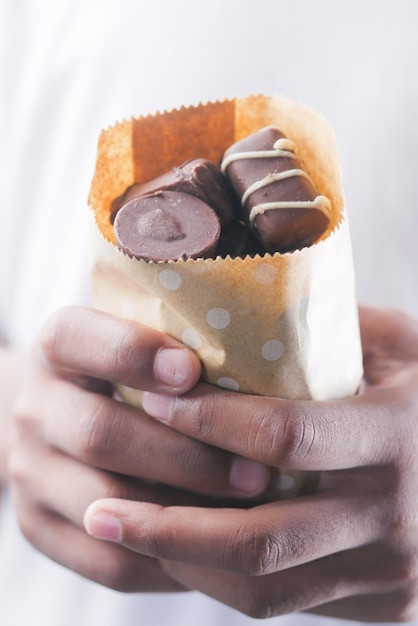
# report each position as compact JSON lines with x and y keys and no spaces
{"x":400,"y":520}
{"x":264,"y":602}
{"x":154,"y":543}
{"x":129,"y":352}
{"x":262,"y":551}
{"x":125,"y":346}
{"x":402,"y":603}
{"x":405,"y":570}
{"x":286,"y":548}
{"x":113,"y":487}
{"x":295,"y":542}
{"x":200,"y":415}
{"x":117,"y":573}
{"x":256,"y":604}
{"x":405,"y":609}
{"x":400,"y":450}
{"x":297,"y":438}
{"x":95,"y":431}
{"x":194,"y":463}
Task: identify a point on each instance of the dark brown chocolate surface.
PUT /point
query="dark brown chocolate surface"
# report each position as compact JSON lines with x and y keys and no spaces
{"x":167,"y":225}
{"x":280,"y":229}
{"x":174,"y":215}
{"x":199,"y":177}
{"x":237,"y":240}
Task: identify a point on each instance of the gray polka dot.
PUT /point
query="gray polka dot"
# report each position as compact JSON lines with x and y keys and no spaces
{"x":265,"y":274}
{"x":218,"y":318}
{"x":170,"y":279}
{"x":272,"y":350}
{"x":191,"y":338}
{"x":228,"y":383}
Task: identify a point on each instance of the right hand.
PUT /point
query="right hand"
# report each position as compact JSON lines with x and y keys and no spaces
{"x":75,"y":442}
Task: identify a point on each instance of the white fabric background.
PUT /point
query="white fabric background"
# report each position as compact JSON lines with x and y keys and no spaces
{"x":70,"y":67}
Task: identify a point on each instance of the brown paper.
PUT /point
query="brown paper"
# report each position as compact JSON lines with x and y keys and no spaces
{"x":278,"y":325}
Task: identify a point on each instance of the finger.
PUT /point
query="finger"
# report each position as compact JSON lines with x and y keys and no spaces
{"x":106,"y":564}
{"x":390,"y":344}
{"x":253,"y":542}
{"x":310,"y":435}
{"x":50,"y":495}
{"x":93,"y":343}
{"x":396,"y":607}
{"x":291,"y":434}
{"x":49,"y":513}
{"x":388,"y":330}
{"x":66,"y":487}
{"x":114,"y":436}
{"x":340,"y":587}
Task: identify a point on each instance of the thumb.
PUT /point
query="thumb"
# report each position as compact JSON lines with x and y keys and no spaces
{"x":389,"y":340}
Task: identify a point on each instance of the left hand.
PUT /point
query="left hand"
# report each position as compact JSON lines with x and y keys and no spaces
{"x":350,"y":550}
{"x":73,"y":442}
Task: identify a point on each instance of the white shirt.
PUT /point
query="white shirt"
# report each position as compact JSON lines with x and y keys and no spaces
{"x":71,"y":67}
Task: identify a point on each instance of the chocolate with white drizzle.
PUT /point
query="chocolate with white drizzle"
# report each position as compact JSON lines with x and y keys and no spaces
{"x":279,"y":200}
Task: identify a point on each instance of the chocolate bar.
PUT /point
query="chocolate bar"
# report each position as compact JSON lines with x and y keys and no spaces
{"x":279,"y":200}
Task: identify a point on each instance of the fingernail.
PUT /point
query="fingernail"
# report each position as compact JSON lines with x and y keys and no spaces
{"x":173,"y":366}
{"x":158,"y":405}
{"x":103,"y":525}
{"x":249,"y":476}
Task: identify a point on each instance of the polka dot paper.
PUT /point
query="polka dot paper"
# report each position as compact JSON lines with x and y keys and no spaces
{"x":277,"y":325}
{"x":269,"y":338}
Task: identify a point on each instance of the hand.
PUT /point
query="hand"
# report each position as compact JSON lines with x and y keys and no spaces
{"x":12,"y":365}
{"x":351,"y":549}
{"x":74,"y":443}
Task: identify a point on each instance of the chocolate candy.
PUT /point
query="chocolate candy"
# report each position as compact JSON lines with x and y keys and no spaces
{"x":278,"y":198}
{"x":167,"y":225}
{"x":199,"y":177}
{"x":174,"y":215}
{"x":237,"y":240}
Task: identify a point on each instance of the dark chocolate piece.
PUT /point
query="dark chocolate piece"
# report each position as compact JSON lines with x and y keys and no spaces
{"x":279,"y":200}
{"x":199,"y":177}
{"x":167,"y":225}
{"x":238,"y":240}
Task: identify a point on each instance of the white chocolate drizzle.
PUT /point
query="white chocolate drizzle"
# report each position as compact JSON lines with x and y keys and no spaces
{"x":281,"y":148}
{"x":321,"y":202}
{"x":270,"y":179}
